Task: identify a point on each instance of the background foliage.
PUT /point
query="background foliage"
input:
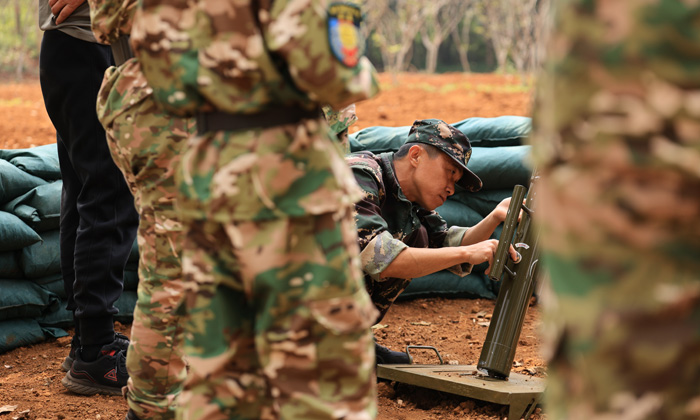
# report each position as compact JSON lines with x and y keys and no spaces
{"x":402,"y":35}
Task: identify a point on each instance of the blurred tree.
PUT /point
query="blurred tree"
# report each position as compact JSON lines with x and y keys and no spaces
{"x":19,"y":36}
{"x":441,"y":17}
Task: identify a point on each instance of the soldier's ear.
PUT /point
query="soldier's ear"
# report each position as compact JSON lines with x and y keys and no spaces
{"x":414,"y":154}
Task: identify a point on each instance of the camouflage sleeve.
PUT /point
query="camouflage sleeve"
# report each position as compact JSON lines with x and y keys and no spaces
{"x":454,"y":238}
{"x":321,"y":42}
{"x":378,"y":248}
{"x":111,"y":19}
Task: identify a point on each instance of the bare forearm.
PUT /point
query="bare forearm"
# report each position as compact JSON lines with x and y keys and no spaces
{"x":418,"y":262}
{"x":481,"y":231}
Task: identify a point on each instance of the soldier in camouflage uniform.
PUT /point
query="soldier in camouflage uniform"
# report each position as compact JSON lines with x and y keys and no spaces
{"x":145,"y":143}
{"x":617,"y":144}
{"x":396,"y":218}
{"x":278,"y":318}
{"x":340,"y":122}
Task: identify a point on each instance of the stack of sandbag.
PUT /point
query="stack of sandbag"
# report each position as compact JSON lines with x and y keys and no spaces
{"x":32,"y":297}
{"x":499,"y":158}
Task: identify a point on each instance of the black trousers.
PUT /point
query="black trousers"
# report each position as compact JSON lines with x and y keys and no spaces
{"x":98,"y":218}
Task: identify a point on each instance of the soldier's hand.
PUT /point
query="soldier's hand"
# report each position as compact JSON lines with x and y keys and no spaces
{"x":61,"y":9}
{"x":482,"y":252}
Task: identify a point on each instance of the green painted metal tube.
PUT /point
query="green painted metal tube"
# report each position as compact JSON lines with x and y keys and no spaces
{"x":517,"y":286}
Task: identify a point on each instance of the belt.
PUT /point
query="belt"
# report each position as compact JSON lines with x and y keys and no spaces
{"x":121,"y":50}
{"x":271,"y":117}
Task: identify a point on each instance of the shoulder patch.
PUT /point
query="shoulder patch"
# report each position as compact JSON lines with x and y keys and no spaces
{"x":344,"y":32}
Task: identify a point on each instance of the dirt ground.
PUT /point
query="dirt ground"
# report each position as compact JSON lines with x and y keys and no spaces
{"x":30,"y":376}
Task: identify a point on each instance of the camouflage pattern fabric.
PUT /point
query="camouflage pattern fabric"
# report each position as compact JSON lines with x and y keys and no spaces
{"x":145,"y":144}
{"x":272,"y":304}
{"x":387,"y":223}
{"x":617,"y":143}
{"x":450,"y":141}
{"x":244,"y":57}
{"x":111,"y":19}
{"x":340,"y":121}
{"x":278,"y":320}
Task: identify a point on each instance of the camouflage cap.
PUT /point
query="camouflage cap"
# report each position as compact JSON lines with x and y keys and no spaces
{"x":448,"y":139}
{"x":340,"y":120}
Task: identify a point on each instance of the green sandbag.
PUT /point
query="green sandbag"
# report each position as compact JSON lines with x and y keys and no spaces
{"x":506,"y":130}
{"x":39,"y":161}
{"x":42,"y":259}
{"x":54,"y":286}
{"x":446,"y":284}
{"x":501,"y":167}
{"x":9,"y":265}
{"x":132,"y":262}
{"x":126,"y":304}
{"x":24,"y":299}
{"x":19,"y":332}
{"x":15,"y":182}
{"x":58,"y":318}
{"x":40,"y":208}
{"x":131,"y":279}
{"x":481,"y":202}
{"x":14,"y":233}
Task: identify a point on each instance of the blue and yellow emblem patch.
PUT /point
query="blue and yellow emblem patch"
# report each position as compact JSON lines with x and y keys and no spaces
{"x":344,"y":32}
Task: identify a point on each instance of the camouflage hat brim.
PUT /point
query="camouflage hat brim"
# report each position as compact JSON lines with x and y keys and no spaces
{"x":469,"y":181}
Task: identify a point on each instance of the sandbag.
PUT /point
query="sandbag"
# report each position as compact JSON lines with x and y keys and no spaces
{"x":131,"y":279}
{"x":446,"y":284}
{"x":40,"y":208}
{"x":14,"y":233}
{"x":9,"y":265}
{"x":54,"y":284}
{"x":15,"y":182}
{"x":42,"y":259}
{"x":19,"y":332}
{"x":482,"y":132}
{"x":501,"y":167}
{"x":39,"y":161}
{"x":24,"y":299}
{"x":58,"y":318}
{"x":126,"y":304}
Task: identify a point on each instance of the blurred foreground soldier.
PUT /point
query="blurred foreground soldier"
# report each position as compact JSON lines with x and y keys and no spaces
{"x":145,"y":143}
{"x":278,"y":317}
{"x":617,"y":142}
{"x":340,"y":122}
{"x":98,"y":219}
{"x":401,"y":236}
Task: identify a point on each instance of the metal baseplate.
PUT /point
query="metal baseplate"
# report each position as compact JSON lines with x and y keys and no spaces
{"x":520,"y":392}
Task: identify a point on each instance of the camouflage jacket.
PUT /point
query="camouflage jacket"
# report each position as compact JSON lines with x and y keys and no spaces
{"x":386,"y":220}
{"x":111,"y":19}
{"x":246,"y":57}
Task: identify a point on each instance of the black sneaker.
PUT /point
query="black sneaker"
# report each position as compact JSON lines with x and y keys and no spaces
{"x":75,"y":344}
{"x":389,"y":357}
{"x":106,"y":375}
{"x":68,"y":361}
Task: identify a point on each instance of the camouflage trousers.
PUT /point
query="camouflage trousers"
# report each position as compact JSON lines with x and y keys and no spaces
{"x":278,"y":321}
{"x":145,"y":145}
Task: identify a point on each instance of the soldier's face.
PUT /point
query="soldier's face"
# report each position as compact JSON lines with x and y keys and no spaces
{"x":435,"y":180}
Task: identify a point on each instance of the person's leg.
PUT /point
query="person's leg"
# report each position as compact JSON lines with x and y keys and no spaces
{"x":145,"y":144}
{"x":71,"y":73}
{"x":278,"y":321}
